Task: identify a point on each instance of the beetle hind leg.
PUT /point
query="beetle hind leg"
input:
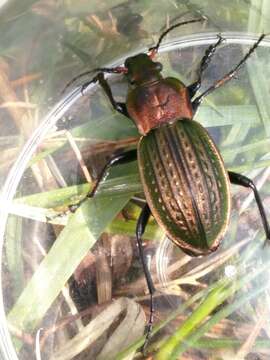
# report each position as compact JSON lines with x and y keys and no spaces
{"x":141,"y":225}
{"x":242,"y":180}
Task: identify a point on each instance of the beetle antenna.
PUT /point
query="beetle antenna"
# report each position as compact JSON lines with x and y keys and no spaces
{"x":153,"y":50}
{"x":115,"y":70}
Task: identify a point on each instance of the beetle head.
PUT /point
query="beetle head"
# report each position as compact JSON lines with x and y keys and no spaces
{"x":142,"y":69}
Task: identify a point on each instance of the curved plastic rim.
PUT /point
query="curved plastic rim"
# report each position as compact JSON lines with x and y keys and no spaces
{"x":14,"y":177}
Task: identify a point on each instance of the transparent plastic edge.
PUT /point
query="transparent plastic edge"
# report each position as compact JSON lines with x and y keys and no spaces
{"x":7,"y":350}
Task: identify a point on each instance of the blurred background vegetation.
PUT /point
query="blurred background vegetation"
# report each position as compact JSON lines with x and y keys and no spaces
{"x":43,"y":45}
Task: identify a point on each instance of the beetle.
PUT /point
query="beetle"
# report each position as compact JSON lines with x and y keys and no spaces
{"x":185,"y":182}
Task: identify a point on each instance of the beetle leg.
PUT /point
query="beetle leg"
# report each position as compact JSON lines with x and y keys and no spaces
{"x":239,"y":179}
{"x":118,"y":106}
{"x":123,"y":158}
{"x":193,"y":88}
{"x":141,"y":225}
{"x":116,"y":159}
{"x":230,"y":75}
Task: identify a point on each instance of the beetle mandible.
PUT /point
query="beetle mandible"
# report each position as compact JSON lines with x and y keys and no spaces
{"x":186,"y":185}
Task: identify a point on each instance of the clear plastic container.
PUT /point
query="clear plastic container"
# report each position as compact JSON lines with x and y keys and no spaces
{"x":72,"y":285}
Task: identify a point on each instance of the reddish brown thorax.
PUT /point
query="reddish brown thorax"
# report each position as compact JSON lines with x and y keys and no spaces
{"x":153,"y":100}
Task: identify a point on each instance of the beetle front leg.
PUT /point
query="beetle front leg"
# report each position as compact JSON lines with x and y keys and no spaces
{"x":118,"y":106}
{"x":193,"y":88}
{"x":242,"y":180}
{"x":141,"y":225}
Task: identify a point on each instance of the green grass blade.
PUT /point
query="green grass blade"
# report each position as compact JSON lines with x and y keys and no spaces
{"x":214,"y":298}
{"x":229,"y":309}
{"x":13,"y":249}
{"x":171,"y":348}
{"x":73,"y":243}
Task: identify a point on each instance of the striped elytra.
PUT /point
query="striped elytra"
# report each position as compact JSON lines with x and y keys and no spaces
{"x":186,"y":185}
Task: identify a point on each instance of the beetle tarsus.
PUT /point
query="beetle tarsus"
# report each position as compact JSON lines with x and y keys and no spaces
{"x":141,"y":225}
{"x":149,"y":327}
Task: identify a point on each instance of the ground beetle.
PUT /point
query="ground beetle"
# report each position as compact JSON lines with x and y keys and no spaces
{"x":186,"y":185}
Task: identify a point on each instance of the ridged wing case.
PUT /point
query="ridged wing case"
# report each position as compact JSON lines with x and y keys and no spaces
{"x":186,"y":185}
